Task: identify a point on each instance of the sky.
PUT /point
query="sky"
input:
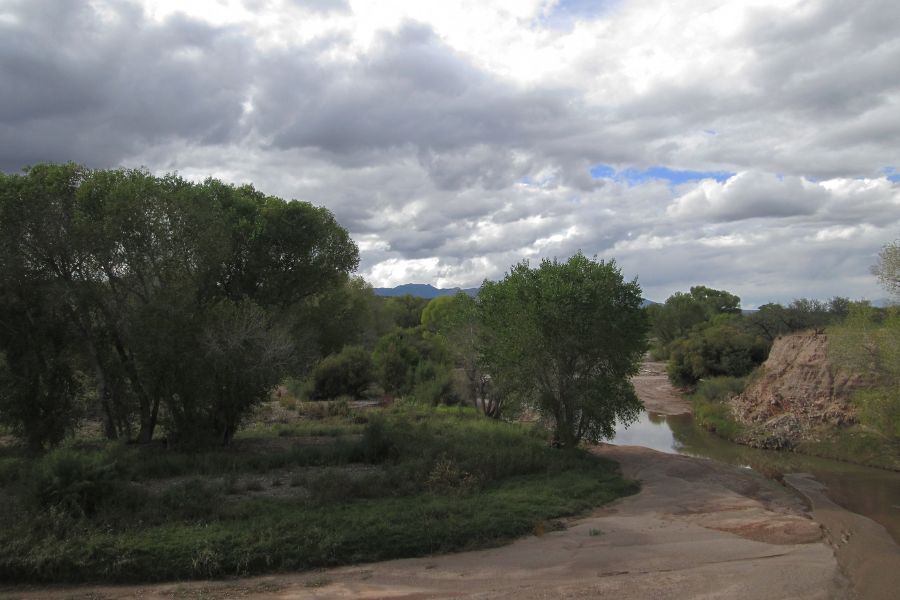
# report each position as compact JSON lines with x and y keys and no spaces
{"x":749,"y":145}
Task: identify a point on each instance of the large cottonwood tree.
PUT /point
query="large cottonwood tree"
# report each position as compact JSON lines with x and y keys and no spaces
{"x":569,"y":335}
{"x":160,"y":291}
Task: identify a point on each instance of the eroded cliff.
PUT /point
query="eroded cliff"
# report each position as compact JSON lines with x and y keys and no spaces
{"x":795,"y":395}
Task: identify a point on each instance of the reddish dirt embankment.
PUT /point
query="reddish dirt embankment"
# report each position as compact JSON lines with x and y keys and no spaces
{"x":796,"y":392}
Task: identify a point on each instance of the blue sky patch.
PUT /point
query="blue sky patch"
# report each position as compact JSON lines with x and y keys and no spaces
{"x":891,"y":173}
{"x":566,"y":12}
{"x":635,"y":176}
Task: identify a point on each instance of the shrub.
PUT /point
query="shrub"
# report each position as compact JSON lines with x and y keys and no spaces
{"x":434,"y":384}
{"x":347,"y":373}
{"x":721,"y":349}
{"x":710,"y":404}
{"x":74,"y":483}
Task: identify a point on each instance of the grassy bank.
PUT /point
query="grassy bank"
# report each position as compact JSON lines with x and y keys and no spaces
{"x":409,"y":482}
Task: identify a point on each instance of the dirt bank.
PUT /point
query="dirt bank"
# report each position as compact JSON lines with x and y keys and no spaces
{"x":795,"y":393}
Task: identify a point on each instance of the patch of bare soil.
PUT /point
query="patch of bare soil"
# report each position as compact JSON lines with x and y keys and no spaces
{"x":796,"y":391}
{"x":698,"y":529}
{"x":654,"y":389}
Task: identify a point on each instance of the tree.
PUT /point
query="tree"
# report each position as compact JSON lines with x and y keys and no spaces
{"x":887,"y":269}
{"x":347,"y":373}
{"x":455,"y":320}
{"x":569,"y":335}
{"x":682,"y":313}
{"x":141,"y":272}
{"x":723,"y":348}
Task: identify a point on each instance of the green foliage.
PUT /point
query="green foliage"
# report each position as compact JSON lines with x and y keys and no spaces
{"x":350,"y":314}
{"x":455,"y":322}
{"x":568,"y":334}
{"x":347,"y":373}
{"x":434,"y":384}
{"x":395,"y":359}
{"x":398,"y":356}
{"x":151,"y":295}
{"x":870,"y":347}
{"x":710,"y":405}
{"x":682,"y":313}
{"x":73,"y":483}
{"x":722,"y":348}
{"x":436,"y":480}
{"x":405,"y":312}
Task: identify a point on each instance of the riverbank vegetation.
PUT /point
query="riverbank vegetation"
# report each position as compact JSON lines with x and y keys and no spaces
{"x":309,"y":493}
{"x":193,"y":384}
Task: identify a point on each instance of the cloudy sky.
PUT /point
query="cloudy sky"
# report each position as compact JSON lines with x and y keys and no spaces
{"x":749,"y":145}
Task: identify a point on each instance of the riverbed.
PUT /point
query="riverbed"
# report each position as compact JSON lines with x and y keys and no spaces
{"x":873,"y":493}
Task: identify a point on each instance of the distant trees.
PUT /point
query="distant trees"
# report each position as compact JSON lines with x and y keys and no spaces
{"x":704,"y":333}
{"x":569,"y":335}
{"x":682,"y":312}
{"x":153,"y":297}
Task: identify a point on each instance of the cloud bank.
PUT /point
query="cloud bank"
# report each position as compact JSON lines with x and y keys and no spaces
{"x":749,"y":145}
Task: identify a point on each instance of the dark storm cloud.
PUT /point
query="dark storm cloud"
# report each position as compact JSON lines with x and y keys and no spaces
{"x":412,"y":91}
{"x":92,"y":86}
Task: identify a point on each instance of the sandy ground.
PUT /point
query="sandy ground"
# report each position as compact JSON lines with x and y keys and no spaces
{"x":653,"y":387}
{"x":864,"y":549}
{"x":697,"y":529}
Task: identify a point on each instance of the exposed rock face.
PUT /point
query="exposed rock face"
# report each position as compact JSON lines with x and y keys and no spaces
{"x":795,"y":393}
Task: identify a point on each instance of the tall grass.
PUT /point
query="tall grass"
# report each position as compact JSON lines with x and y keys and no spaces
{"x":710,"y":405}
{"x":416,"y":481}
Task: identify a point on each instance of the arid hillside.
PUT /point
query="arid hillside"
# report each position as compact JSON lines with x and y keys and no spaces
{"x":795,"y":393}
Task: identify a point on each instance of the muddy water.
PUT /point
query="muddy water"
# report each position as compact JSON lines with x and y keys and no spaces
{"x":873,"y":493}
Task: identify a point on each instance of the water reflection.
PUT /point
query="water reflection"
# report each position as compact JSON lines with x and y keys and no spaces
{"x":874,"y":493}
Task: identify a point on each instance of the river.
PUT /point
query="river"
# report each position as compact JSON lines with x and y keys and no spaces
{"x":873,"y":493}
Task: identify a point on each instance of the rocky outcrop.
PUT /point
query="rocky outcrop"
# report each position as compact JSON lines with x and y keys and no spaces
{"x":794,"y":394}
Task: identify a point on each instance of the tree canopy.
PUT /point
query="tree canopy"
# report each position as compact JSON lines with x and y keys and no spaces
{"x":569,"y":335}
{"x":151,"y":294}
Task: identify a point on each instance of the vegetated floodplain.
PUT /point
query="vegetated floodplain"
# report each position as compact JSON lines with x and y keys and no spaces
{"x":374,"y":485}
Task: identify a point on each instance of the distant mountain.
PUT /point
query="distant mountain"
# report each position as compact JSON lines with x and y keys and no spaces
{"x":422,"y":290}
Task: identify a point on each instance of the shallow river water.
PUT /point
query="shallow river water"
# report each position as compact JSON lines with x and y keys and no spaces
{"x":874,"y":493}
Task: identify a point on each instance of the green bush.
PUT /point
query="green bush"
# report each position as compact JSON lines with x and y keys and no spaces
{"x":74,"y":483}
{"x":710,"y":405}
{"x":434,"y":384}
{"x":347,"y":373}
{"x":722,"y":349}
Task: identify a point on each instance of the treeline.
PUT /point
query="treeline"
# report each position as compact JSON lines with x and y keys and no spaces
{"x":561,"y":338}
{"x":154,"y":303}
{"x":157,"y":301}
{"x":704,"y":333}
